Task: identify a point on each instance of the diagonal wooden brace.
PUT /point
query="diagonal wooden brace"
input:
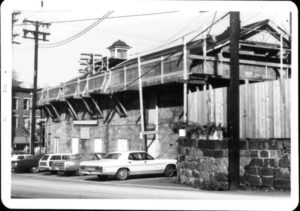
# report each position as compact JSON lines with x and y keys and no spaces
{"x":73,"y":112}
{"x":97,"y":107}
{"x":55,"y":111}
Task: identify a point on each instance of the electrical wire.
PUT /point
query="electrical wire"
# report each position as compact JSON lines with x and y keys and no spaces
{"x":113,"y":17}
{"x":207,"y":28}
{"x":212,"y":22}
{"x":52,"y":45}
{"x":172,"y":41}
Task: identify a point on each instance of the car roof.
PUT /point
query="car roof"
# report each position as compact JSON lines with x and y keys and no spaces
{"x":127,"y":152}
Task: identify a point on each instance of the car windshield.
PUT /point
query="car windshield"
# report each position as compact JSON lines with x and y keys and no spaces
{"x":45,"y":157}
{"x":112,"y":156}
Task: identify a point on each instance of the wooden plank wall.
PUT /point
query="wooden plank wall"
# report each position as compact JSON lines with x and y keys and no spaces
{"x":264,"y":108}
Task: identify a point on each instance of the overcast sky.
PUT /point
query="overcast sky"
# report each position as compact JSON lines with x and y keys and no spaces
{"x":143,"y":33}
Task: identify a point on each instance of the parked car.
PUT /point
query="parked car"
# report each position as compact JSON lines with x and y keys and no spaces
{"x":123,"y":164}
{"x":47,"y":160}
{"x":18,"y":157}
{"x":29,"y":164}
{"x":71,"y":166}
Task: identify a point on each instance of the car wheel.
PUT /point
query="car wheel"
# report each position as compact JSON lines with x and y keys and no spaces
{"x":122,"y":174}
{"x":34,"y":169}
{"x":169,"y":171}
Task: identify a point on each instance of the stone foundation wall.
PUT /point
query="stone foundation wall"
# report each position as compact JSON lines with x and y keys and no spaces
{"x":264,"y":164}
{"x":118,"y":128}
{"x":203,"y":163}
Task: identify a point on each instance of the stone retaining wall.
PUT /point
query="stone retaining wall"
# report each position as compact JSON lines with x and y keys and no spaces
{"x":203,"y":163}
{"x":264,"y":164}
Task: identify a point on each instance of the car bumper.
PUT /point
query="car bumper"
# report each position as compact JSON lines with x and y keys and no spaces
{"x":44,"y":168}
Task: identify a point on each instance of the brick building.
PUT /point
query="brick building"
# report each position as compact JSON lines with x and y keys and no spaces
{"x":102,"y":112}
{"x":21,"y":118}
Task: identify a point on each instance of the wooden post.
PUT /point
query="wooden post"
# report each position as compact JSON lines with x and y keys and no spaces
{"x":162,"y":68}
{"x":204,"y":50}
{"x":141,"y":103}
{"x":233,"y":113}
{"x":156,"y":120}
{"x":281,"y":56}
{"x":185,"y":77}
{"x":125,"y":79}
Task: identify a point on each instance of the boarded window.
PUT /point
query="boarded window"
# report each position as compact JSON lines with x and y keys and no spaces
{"x":122,"y":145}
{"x":98,"y":145}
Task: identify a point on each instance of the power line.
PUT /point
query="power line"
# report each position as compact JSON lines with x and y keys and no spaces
{"x":207,"y":28}
{"x":172,"y":41}
{"x":52,"y":45}
{"x":113,"y":17}
{"x":212,"y":22}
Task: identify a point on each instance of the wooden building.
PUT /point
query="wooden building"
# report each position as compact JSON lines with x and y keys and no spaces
{"x":105,"y":112}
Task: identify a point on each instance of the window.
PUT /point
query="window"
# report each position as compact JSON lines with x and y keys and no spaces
{"x":145,"y":156}
{"x":112,"y":53}
{"x":45,"y":157}
{"x":26,"y":104}
{"x":15,"y":121}
{"x":66,"y":157}
{"x":134,"y":156}
{"x":21,"y":157}
{"x":121,"y":54}
{"x":55,"y":157}
{"x":26,"y":121}
{"x":15,"y":103}
{"x":112,"y":156}
{"x":56,"y":144}
{"x":98,"y":145}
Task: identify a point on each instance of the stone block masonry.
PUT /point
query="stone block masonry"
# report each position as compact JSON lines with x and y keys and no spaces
{"x":203,"y":163}
{"x":264,"y":164}
{"x":267,"y":165}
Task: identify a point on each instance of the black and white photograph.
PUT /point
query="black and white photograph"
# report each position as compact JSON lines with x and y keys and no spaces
{"x":149,"y":105}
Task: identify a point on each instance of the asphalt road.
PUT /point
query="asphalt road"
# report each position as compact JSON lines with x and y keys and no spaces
{"x":41,"y":185}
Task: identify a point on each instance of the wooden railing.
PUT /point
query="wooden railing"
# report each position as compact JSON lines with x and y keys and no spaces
{"x":120,"y":78}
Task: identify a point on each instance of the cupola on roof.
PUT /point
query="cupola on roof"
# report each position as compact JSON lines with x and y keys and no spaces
{"x":119,"y":44}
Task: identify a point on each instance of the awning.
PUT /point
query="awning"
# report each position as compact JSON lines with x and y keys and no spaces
{"x":21,"y":140}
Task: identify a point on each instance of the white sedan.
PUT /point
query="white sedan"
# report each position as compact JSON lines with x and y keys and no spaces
{"x":123,"y":164}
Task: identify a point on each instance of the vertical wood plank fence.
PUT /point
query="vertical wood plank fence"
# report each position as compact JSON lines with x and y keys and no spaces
{"x":264,"y":108}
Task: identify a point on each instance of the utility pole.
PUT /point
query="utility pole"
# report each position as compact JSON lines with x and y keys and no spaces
{"x":233,"y":108}
{"x":13,"y":21}
{"x":90,"y":62}
{"x":185,"y":78}
{"x":36,"y":39}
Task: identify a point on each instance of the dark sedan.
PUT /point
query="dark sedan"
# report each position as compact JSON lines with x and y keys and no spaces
{"x":29,"y":164}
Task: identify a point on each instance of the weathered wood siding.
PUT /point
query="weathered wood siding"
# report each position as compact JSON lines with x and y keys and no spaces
{"x":264,"y":108}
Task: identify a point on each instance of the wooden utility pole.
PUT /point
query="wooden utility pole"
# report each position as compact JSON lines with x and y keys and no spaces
{"x":185,"y":78}
{"x":233,"y":108}
{"x":89,"y":62}
{"x":36,"y":39}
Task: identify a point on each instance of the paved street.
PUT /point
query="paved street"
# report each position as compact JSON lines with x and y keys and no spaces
{"x":43,"y":185}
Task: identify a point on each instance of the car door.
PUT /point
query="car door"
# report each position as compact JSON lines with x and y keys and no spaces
{"x":152,"y":165}
{"x":135,"y":164}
